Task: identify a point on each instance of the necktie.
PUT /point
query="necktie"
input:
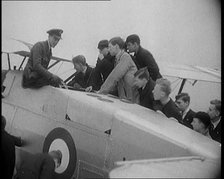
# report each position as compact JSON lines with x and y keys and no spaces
{"x":211,"y":127}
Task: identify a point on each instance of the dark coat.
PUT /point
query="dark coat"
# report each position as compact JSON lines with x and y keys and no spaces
{"x":170,"y":109}
{"x":83,"y":80}
{"x":188,"y":118}
{"x":8,"y":143}
{"x":216,"y":133}
{"x":102,"y":70}
{"x":146,"y":95}
{"x":144,"y":58}
{"x":35,"y":72}
{"x":36,"y":166}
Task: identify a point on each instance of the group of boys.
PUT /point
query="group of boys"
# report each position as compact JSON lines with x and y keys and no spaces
{"x":133,"y":77}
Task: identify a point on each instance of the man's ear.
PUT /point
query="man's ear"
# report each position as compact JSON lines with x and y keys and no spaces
{"x":217,"y":113}
{"x":163,"y":94}
{"x":136,"y":45}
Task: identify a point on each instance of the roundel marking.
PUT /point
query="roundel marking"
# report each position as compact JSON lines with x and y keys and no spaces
{"x":59,"y":144}
{"x":60,"y":139}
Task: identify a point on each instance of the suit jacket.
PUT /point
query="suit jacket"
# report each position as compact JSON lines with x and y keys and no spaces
{"x":83,"y":79}
{"x":170,"y":109}
{"x":144,"y":58}
{"x":188,"y":118}
{"x":38,"y":62}
{"x":216,"y":133}
{"x":102,"y":70}
{"x":36,"y":166}
{"x":146,"y":95}
{"x":121,"y":76}
{"x":8,"y":143}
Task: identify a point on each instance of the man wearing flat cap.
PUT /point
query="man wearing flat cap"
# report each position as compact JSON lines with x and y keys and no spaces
{"x":201,"y":123}
{"x":35,"y":74}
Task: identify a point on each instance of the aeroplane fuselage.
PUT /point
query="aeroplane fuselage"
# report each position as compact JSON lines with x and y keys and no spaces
{"x":94,"y":131}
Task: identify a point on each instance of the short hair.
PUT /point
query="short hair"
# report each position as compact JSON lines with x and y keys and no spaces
{"x":203,"y":117}
{"x":183,"y":96}
{"x":217,"y":104}
{"x":142,"y":73}
{"x":165,"y":85}
{"x":103,"y":44}
{"x":117,"y":40}
{"x":56,"y":154}
{"x":80,"y":59}
{"x":133,"y":38}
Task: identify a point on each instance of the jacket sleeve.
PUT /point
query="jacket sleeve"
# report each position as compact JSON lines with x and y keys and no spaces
{"x":48,"y":167}
{"x":37,"y":56}
{"x":17,"y":140}
{"x":152,"y":65}
{"x":96,"y":79}
{"x":117,"y":73}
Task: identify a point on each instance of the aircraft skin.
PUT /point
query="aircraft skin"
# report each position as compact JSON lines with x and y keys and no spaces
{"x":93,"y":131}
{"x":180,"y":167}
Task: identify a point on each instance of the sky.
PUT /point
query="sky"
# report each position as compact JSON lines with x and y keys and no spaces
{"x":174,"y":31}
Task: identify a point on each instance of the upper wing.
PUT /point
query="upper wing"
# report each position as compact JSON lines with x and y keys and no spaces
{"x":27,"y":54}
{"x":29,"y":45}
{"x":190,"y":72}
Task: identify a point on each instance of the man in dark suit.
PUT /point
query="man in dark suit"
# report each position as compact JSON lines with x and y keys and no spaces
{"x":104,"y":66}
{"x":8,"y":143}
{"x":145,"y":85}
{"x":163,"y":102}
{"x":83,"y":73}
{"x":183,"y":102}
{"x":35,"y":74}
{"x":142,"y":57}
{"x":214,"y":112}
{"x":40,"y":165}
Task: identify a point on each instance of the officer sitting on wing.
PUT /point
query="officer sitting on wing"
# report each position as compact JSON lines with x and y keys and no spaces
{"x":35,"y":74}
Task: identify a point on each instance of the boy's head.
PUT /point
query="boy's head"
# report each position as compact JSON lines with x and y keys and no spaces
{"x":182,"y":101}
{"x":141,"y":77}
{"x":162,"y":89}
{"x":79,"y":63}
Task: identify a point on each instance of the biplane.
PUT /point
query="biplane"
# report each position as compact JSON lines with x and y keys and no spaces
{"x":94,"y":131}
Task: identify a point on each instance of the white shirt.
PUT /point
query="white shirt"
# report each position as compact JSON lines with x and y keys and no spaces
{"x":185,"y":112}
{"x":216,"y":123}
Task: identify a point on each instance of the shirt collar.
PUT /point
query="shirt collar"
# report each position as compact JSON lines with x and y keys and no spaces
{"x":118,"y":56}
{"x":216,"y":123}
{"x":84,"y":71}
{"x":185,"y":112}
{"x":49,"y":44}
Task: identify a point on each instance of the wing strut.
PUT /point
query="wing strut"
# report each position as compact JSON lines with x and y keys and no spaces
{"x":182,"y":85}
{"x":70,"y":77}
{"x":9,"y":61}
{"x":53,"y":64}
{"x":22,"y":62}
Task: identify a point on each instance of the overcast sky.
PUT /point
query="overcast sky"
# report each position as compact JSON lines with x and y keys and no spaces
{"x":174,"y":31}
{"x":178,"y":31}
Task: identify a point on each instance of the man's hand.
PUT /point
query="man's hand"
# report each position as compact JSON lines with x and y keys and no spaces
{"x":89,"y":88}
{"x":77,"y":86}
{"x":56,"y":81}
{"x":100,"y":56}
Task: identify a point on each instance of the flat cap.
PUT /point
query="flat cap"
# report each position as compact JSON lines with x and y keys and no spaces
{"x":102,"y":44}
{"x":204,"y":118}
{"x":55,"y":32}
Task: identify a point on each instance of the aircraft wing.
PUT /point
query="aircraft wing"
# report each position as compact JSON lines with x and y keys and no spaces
{"x":190,"y":72}
{"x":180,"y":167}
{"x":29,"y":45}
{"x":27,"y":54}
